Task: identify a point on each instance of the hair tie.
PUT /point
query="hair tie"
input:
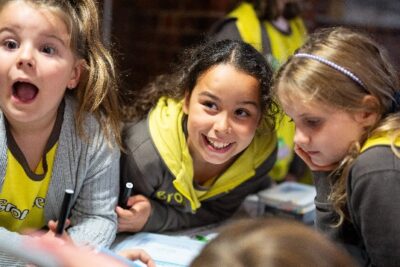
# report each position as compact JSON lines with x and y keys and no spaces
{"x":335,"y":66}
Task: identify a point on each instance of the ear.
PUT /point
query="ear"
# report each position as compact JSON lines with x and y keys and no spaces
{"x":76,"y":74}
{"x":186,"y":102}
{"x":369,"y":116}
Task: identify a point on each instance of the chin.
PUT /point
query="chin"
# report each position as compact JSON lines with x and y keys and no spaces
{"x":216,"y":161}
{"x":320,"y":163}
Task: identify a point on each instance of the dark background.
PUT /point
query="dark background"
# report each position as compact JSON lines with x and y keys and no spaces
{"x":147,"y":35}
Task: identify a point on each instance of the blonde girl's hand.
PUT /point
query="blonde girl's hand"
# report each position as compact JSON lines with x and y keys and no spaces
{"x":134,"y":218}
{"x":313,"y":167}
{"x":138,"y":254}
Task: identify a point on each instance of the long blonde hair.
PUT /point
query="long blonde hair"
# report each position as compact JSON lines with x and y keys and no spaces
{"x":97,"y":91}
{"x":312,"y":80}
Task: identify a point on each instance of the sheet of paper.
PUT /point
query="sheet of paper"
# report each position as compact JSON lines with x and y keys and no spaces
{"x":166,"y":251}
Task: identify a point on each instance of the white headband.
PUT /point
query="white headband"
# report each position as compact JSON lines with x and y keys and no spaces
{"x":333,"y":65}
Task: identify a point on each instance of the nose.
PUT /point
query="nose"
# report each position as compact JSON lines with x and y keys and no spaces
{"x":222,"y":124}
{"x":300,"y":137}
{"x":26,"y":57}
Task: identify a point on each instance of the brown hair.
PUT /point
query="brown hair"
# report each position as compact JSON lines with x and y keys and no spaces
{"x":97,"y":91}
{"x":271,"y":242}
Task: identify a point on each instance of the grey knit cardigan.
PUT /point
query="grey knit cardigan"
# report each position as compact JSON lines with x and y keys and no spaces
{"x":89,"y":167}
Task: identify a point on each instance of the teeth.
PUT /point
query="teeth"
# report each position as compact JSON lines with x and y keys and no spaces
{"x":218,"y":145}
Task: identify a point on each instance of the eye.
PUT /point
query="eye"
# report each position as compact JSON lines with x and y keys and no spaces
{"x":210,"y":105}
{"x":10,"y":44}
{"x":312,"y":123}
{"x":242,"y":112}
{"x":47,"y":49}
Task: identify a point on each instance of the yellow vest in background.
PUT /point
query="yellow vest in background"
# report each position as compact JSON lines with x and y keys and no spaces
{"x":282,"y":46}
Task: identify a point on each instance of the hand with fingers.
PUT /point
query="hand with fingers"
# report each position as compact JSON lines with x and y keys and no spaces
{"x":314,"y":167}
{"x":135,"y":217}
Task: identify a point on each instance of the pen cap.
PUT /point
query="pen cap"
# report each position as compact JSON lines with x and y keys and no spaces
{"x":127,"y":191}
{"x":69,"y":191}
{"x":129,"y":185}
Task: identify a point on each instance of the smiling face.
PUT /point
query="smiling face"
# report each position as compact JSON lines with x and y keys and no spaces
{"x":223,"y":114}
{"x":37,"y":64}
{"x":323,"y":133}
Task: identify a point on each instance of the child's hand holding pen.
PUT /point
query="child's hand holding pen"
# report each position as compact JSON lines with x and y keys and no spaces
{"x":58,"y":228}
{"x":134,"y":218}
{"x":52,"y":225}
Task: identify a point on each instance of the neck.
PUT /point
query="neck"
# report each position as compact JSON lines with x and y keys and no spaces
{"x":32,"y":138}
{"x":204,"y":171}
{"x":32,"y":128}
{"x":29,"y":131}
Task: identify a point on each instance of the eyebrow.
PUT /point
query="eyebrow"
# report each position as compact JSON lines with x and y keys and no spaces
{"x":7,"y":29}
{"x":305,"y":115}
{"x":215,"y":98}
{"x":51,"y":36}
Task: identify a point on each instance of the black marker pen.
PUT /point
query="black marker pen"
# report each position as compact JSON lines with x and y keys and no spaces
{"x":64,"y":212}
{"x":125,"y":195}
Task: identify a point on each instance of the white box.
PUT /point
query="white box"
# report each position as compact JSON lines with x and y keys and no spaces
{"x":290,"y":198}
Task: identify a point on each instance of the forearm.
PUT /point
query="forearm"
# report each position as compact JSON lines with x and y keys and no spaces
{"x":10,"y":242}
{"x":95,"y":231}
{"x":93,"y":216}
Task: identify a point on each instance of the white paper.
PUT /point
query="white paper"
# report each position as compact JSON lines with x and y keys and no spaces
{"x":167,"y":251}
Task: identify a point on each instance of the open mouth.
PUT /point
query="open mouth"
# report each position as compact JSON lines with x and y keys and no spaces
{"x":24,"y":91}
{"x":216,"y":145}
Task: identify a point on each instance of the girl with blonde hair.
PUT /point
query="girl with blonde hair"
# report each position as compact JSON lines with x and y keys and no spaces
{"x":344,"y":98}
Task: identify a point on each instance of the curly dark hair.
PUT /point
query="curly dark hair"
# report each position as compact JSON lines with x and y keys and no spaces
{"x":193,"y":63}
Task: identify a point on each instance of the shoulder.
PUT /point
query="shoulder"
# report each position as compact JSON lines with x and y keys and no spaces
{"x":140,"y":159}
{"x":138,"y":143}
{"x":71,"y":108}
{"x":93,"y":137}
{"x":376,"y":159}
{"x":223,"y":24}
{"x":373,"y":186}
{"x":134,"y":134}
{"x":375,"y":168}
{"x":225,"y":29}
